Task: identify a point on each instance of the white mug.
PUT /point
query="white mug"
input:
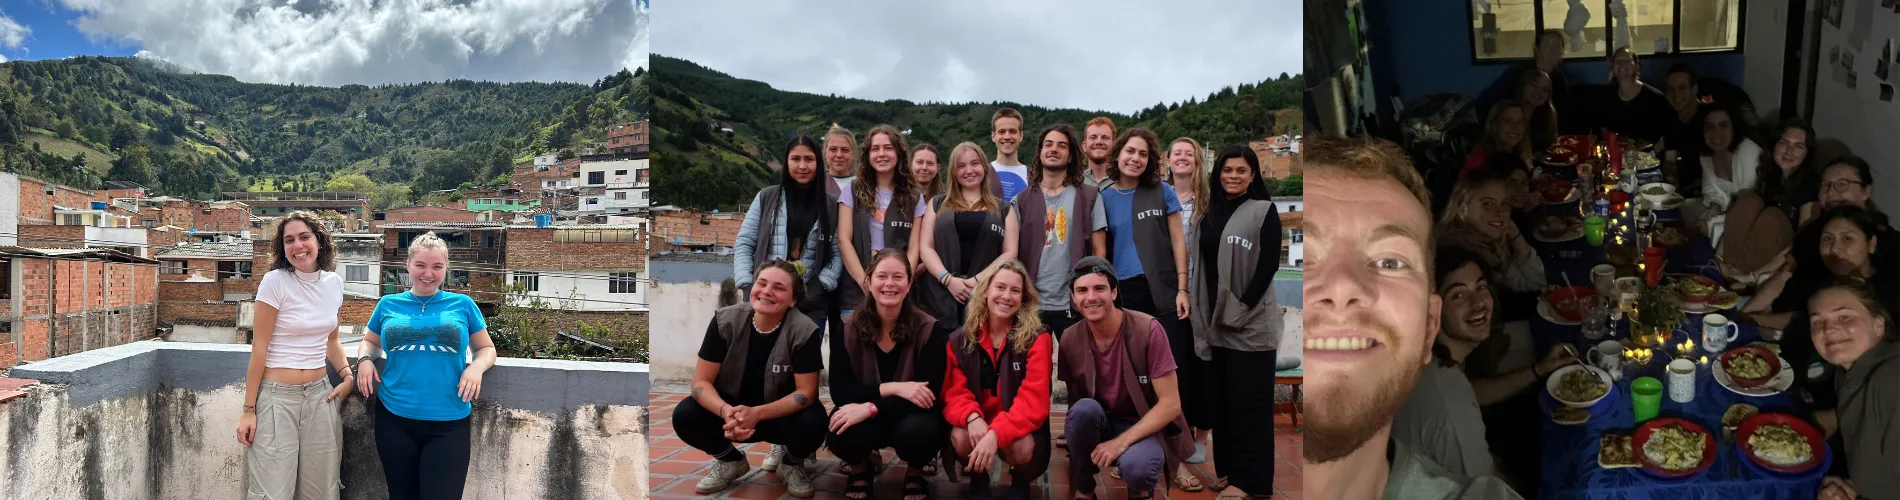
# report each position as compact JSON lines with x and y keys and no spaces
{"x":1717,"y":332}
{"x":1609,"y":356}
{"x":1682,"y":380}
{"x":1603,"y":277}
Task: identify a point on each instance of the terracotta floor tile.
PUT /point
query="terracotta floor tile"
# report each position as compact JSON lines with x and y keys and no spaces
{"x":681,"y":488}
{"x":690,"y":455}
{"x":674,"y":467}
{"x":666,"y":443}
{"x":757,"y":492}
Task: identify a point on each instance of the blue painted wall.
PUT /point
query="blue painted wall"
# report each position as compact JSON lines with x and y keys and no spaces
{"x":1422,"y":47}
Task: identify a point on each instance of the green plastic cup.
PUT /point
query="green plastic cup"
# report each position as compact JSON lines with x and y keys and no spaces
{"x":1593,"y":229}
{"x":1646,"y":398}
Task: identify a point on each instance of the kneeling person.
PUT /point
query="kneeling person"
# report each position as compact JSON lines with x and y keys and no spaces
{"x":757,"y":380}
{"x":996,"y":388}
{"x":1124,"y":409}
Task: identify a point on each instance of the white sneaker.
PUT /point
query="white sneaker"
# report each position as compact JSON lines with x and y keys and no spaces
{"x":797,"y":480}
{"x":773,"y":458}
{"x":722,"y":474}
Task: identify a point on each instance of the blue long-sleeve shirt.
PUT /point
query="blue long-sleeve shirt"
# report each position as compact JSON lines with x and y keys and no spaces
{"x":748,"y":241}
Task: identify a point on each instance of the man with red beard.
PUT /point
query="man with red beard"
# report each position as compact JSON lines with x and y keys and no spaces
{"x":1097,"y":140}
{"x":1371,"y":318}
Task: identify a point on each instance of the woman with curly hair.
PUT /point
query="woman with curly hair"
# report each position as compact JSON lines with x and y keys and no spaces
{"x":996,"y":382}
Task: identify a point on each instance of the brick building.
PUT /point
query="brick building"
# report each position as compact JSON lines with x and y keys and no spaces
{"x":679,"y":229}
{"x":539,"y":177}
{"x":588,"y":274}
{"x":352,"y":205}
{"x":422,"y":215}
{"x":628,"y":139}
{"x":1279,"y":156}
{"x":64,"y":301}
{"x":41,"y":200}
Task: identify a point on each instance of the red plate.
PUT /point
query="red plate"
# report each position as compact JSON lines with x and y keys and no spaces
{"x":1560,"y":294}
{"x":1642,"y":436}
{"x":1774,"y":366}
{"x":1816,"y":443}
{"x":1705,"y":281}
{"x":1553,"y":190}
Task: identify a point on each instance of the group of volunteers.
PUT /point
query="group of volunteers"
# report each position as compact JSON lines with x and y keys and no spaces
{"x":422,"y":389}
{"x":953,"y":290}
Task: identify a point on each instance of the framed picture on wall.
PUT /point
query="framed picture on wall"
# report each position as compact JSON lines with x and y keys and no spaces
{"x":1831,"y":11}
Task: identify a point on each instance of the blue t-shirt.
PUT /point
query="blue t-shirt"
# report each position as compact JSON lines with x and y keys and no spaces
{"x":427,"y":352}
{"x":1115,"y":211}
{"x":1014,"y":179}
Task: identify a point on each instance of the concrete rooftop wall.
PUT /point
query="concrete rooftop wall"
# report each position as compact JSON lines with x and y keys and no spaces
{"x":157,"y":420}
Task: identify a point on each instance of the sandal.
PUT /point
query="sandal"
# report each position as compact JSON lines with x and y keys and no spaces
{"x":858,"y":484}
{"x":916,"y":486}
{"x":876,"y":460}
{"x":929,"y":468}
{"x":1183,"y":481}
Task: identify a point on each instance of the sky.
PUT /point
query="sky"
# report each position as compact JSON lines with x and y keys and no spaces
{"x":1108,"y":55}
{"x":338,"y":42}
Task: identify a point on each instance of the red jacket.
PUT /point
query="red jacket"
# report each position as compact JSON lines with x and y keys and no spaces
{"x":1031,"y":407}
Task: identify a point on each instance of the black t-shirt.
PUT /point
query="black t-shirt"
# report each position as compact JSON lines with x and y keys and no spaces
{"x":969,"y":227}
{"x":1686,"y":140}
{"x":806,"y":359}
{"x":887,"y":363}
{"x":1646,"y":117}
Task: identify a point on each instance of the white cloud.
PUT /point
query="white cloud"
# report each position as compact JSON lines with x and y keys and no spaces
{"x":1117,"y":55}
{"x":12,"y":33}
{"x":336,"y":42}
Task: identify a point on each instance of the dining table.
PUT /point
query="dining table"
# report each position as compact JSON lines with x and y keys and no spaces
{"x":1570,"y":469}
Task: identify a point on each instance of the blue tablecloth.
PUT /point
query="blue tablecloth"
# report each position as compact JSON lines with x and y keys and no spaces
{"x":1570,"y":469}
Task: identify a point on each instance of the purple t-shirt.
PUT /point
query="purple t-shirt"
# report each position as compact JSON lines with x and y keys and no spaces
{"x":883,"y":203}
{"x":1108,"y":369}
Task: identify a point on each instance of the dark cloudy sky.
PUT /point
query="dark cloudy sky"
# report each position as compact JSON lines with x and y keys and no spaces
{"x":1114,"y":55}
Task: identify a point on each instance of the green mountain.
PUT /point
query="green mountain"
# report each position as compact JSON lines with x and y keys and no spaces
{"x":708,"y":168}
{"x":193,"y":134}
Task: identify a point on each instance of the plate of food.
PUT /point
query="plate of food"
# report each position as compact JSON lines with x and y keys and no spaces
{"x":1669,"y":237}
{"x":1781,"y":443}
{"x":1556,"y":192}
{"x":1554,"y":229}
{"x":1749,"y":367}
{"x":1579,"y":141}
{"x":1565,"y":415}
{"x":1783,"y":380}
{"x":1696,"y":289}
{"x":1578,"y":386}
{"x":1567,"y":302}
{"x":1615,"y":452}
{"x":1671,"y":447}
{"x":1562,"y":156}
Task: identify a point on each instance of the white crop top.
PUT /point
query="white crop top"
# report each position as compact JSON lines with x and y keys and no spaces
{"x":307,"y":306}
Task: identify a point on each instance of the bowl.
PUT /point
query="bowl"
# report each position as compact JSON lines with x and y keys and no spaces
{"x":1642,"y":436}
{"x":1560,"y":294}
{"x":1774,"y":366}
{"x":1657,"y":193}
{"x":1702,"y":280}
{"x":1816,"y":443}
{"x":1554,"y":190}
{"x":1550,"y":385}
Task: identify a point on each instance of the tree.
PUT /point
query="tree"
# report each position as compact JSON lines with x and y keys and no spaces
{"x":123,"y":135}
{"x":350,"y":182}
{"x":133,"y":165}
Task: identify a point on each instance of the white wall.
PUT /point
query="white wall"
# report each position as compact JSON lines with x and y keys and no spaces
{"x":118,"y":236}
{"x":9,"y":209}
{"x":675,"y":336}
{"x":1765,"y":35}
{"x":590,"y":285}
{"x":1857,"y":117}
{"x":609,"y":167}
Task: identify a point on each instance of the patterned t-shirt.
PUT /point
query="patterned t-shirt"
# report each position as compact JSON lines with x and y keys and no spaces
{"x":427,"y":343}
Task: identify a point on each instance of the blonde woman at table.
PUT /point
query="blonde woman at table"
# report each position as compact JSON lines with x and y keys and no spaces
{"x":1854,"y":333}
{"x":1478,"y":217}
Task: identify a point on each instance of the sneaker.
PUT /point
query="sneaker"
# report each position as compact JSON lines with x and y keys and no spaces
{"x":774,"y":458}
{"x":797,"y":480}
{"x":722,"y":475}
{"x":1200,"y":454}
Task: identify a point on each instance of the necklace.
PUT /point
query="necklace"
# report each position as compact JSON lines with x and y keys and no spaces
{"x":307,"y":284}
{"x":425,"y":304}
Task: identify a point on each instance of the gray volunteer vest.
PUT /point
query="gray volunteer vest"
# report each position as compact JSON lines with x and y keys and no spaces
{"x":896,"y":227}
{"x":1076,"y":361}
{"x":1032,"y":209}
{"x":1226,"y":321}
{"x":771,"y":207}
{"x":864,"y":362}
{"x":1155,"y":246}
{"x":932,"y":295}
{"x":735,"y":323}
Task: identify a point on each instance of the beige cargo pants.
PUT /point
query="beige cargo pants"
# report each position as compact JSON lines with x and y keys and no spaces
{"x":298,"y":451}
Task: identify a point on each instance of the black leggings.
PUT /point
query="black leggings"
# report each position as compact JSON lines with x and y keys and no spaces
{"x":917,"y":436}
{"x":800,"y":432}
{"x":1243,"y":449}
{"x":1196,"y":402}
{"x":1059,"y":321}
{"x":422,"y":459}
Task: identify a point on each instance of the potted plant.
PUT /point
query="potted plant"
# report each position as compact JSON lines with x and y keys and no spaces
{"x":1654,"y":318}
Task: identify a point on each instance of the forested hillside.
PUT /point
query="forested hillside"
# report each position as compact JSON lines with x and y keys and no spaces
{"x":708,"y":168}
{"x":193,"y":135}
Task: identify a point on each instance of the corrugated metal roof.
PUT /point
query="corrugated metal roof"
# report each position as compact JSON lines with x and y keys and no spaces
{"x":215,"y":251}
{"x":67,"y":253}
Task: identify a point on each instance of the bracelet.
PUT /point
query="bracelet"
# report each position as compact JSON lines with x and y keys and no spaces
{"x":973,"y":417}
{"x":873,"y":408}
{"x":942,"y":275}
{"x":252,"y":409}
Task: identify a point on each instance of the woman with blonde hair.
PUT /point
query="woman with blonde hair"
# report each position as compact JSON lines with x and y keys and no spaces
{"x":1478,"y":217}
{"x":290,"y":426}
{"x":1503,"y":133}
{"x":1535,"y":97}
{"x":427,"y":385}
{"x":965,"y":229}
{"x":1187,"y":176}
{"x":996,"y":382}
